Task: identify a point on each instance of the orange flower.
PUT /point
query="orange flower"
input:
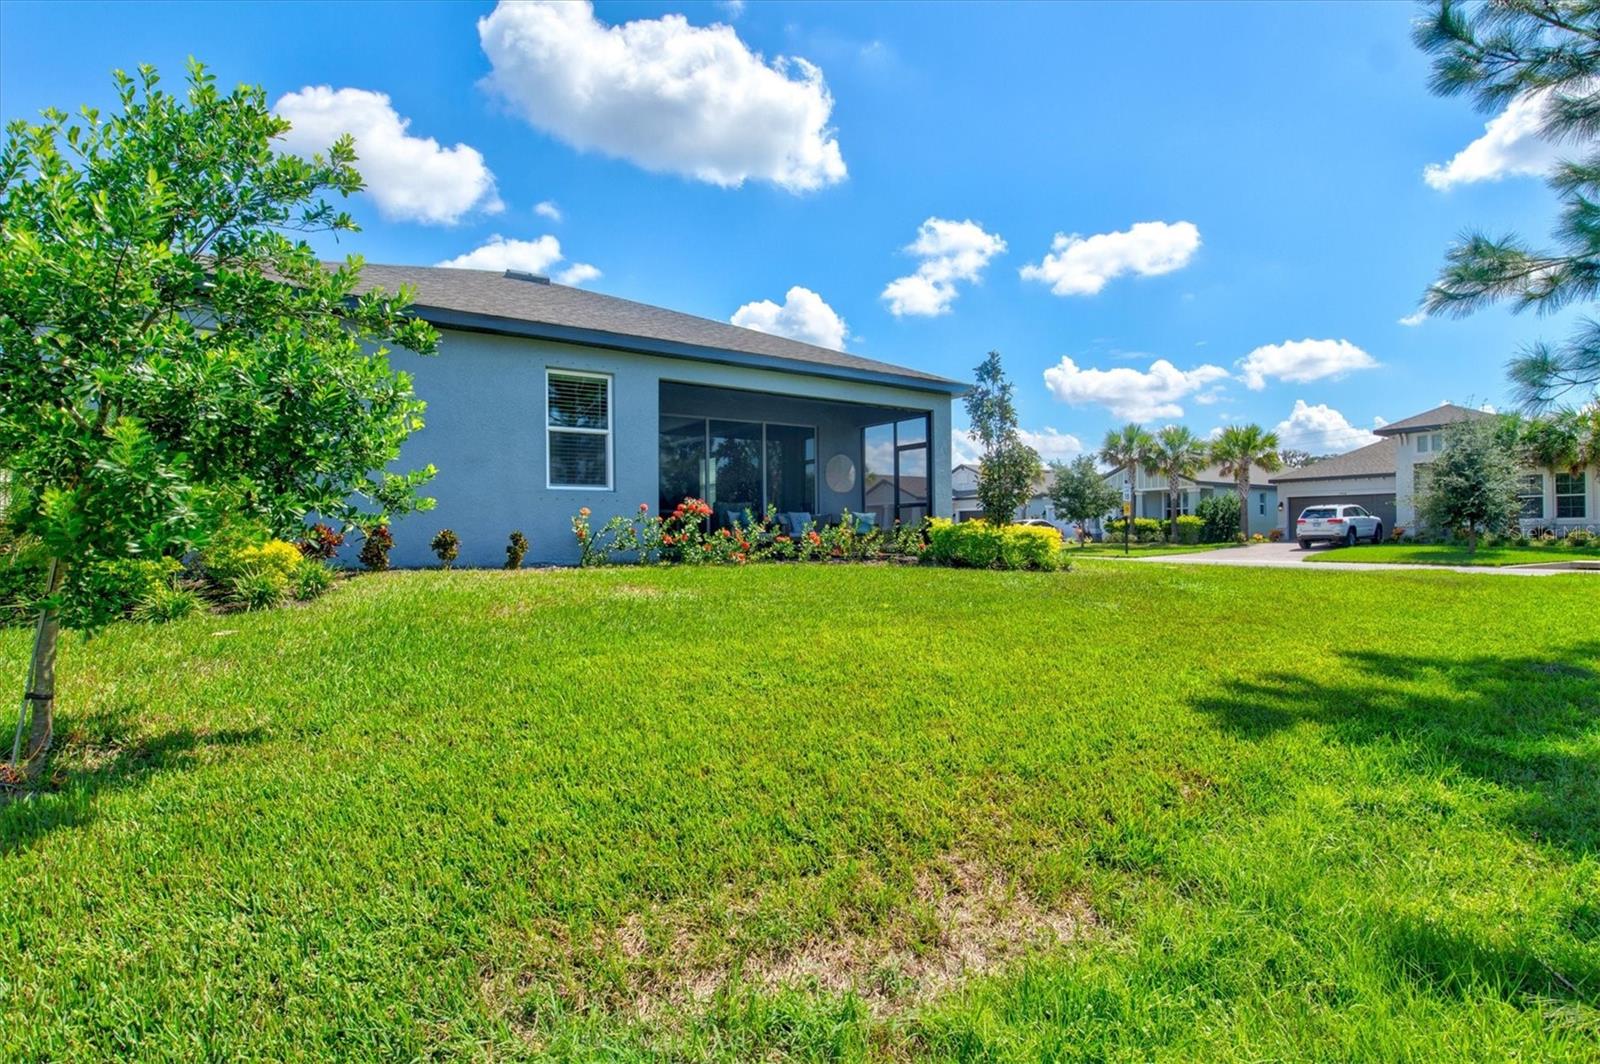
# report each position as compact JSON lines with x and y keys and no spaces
{"x":583,"y":512}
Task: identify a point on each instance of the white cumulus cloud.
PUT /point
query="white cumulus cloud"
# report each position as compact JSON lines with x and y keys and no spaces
{"x":803,"y":316}
{"x":1136,"y":395}
{"x":547,"y":209}
{"x":1511,"y":145}
{"x":578,"y":273}
{"x":1081,"y":265}
{"x":1321,"y":429}
{"x":663,"y":94}
{"x":410,"y":178}
{"x":1302,"y":360}
{"x":950,"y":252}
{"x":1052,"y":444}
{"x":1415,"y":318}
{"x":533,"y":256}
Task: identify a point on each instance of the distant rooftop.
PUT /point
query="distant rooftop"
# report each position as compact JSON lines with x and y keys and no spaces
{"x":525,"y":304}
{"x":1437,"y":418}
{"x":1373,"y":460}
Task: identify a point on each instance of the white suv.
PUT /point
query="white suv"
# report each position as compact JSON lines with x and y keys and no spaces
{"x":1337,"y":524}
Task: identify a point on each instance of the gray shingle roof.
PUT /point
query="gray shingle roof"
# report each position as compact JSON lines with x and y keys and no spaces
{"x":489,"y":296}
{"x":1438,"y":417}
{"x":1373,"y":460}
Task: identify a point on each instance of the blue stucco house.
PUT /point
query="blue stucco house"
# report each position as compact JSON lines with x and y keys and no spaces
{"x":545,"y":398}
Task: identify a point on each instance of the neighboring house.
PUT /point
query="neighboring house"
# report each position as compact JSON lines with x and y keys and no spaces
{"x":964,"y":497}
{"x":1150,"y":497}
{"x":544,"y":399}
{"x":1388,"y":476}
{"x":1364,"y":477}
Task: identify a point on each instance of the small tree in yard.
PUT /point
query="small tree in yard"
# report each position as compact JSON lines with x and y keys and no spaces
{"x":169,"y":355}
{"x":1009,"y":468}
{"x":447,"y":546}
{"x":1079,"y":493}
{"x":1472,"y":485}
{"x":1239,"y":449}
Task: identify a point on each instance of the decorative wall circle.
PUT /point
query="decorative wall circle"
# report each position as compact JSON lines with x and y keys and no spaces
{"x":841,"y":473}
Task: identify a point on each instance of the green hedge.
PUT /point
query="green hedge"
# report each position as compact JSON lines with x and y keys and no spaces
{"x":980,"y":545}
{"x":1190,"y":528}
{"x":1145,"y":530}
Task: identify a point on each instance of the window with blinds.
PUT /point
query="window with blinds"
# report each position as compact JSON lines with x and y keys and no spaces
{"x":578,"y":429}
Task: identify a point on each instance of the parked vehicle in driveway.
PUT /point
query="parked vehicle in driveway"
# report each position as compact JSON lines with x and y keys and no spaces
{"x":1348,"y":525}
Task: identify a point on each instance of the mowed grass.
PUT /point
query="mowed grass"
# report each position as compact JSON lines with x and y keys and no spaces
{"x":600,"y":814}
{"x":1451,"y":554}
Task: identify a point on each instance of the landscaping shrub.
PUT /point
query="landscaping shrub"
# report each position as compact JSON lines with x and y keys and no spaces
{"x":164,"y":603}
{"x":117,"y":587}
{"x":312,"y":580}
{"x":1220,"y":516}
{"x":1275,"y":535}
{"x":1190,"y":528}
{"x":1145,"y":530}
{"x":375,"y":547}
{"x":516,"y":550}
{"x":1580,"y":537}
{"x":321,"y":542}
{"x":261,"y":588}
{"x":223,"y":562}
{"x":981,"y":545}
{"x":446,"y":545}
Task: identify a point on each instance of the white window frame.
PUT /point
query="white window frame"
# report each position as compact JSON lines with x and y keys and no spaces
{"x":611,"y":424}
{"x":1582,"y":495}
{"x":1524,"y":495}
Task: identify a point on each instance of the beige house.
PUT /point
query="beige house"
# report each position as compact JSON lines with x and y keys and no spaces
{"x":1387,"y":478}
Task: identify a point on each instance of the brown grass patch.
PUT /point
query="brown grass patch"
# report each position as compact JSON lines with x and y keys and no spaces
{"x":964,"y":918}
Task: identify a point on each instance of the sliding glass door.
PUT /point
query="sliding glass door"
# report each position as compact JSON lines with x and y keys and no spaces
{"x":737,"y":466}
{"x":897,"y":480}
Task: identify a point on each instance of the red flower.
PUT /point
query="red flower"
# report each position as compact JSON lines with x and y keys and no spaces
{"x":644,"y":507}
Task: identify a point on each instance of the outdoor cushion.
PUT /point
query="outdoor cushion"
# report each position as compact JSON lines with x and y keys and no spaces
{"x":795,"y":522}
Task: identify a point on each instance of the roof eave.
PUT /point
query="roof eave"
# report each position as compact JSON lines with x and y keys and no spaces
{"x":469,"y":321}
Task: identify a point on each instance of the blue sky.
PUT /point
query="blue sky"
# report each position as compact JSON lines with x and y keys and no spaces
{"x":1239,"y":179}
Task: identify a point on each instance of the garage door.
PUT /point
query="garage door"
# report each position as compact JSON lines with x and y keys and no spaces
{"x":1380,"y":506}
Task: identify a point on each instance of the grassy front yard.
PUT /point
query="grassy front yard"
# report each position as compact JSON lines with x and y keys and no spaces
{"x":824,"y":812}
{"x":1448,"y":554}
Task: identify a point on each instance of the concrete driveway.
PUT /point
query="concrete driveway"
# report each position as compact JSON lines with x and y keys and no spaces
{"x":1290,"y":556}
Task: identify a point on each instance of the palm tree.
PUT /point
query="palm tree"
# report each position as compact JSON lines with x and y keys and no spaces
{"x":1178,"y":454}
{"x":1239,"y":449}
{"x":1128,"y":448}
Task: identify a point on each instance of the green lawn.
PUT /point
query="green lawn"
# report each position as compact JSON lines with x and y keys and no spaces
{"x":824,"y":812}
{"x":1447,"y":554}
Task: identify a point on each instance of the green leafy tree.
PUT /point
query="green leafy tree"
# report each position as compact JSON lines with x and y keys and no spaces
{"x":1080,"y":493}
{"x":171,"y":350}
{"x":1472,"y":485}
{"x":1566,"y":439}
{"x":1547,"y":52}
{"x":1009,"y":468}
{"x":1240,"y":449}
{"x":1292,"y":458}
{"x":1178,"y":455}
{"x":1219,"y":517}
{"x":1128,"y":449}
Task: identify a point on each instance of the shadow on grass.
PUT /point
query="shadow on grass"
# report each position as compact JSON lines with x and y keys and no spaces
{"x":1454,"y":964}
{"x":1519,"y":722}
{"x":97,"y":754}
